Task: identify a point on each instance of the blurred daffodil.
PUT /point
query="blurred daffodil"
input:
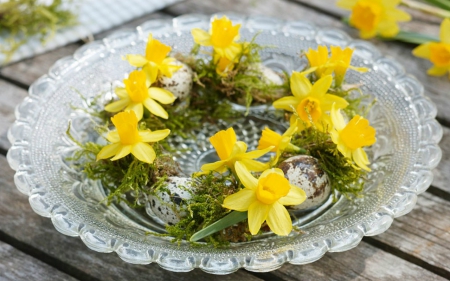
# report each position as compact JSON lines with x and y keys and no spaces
{"x":437,"y":52}
{"x":264,"y":199}
{"x":155,"y":62}
{"x":138,"y":93}
{"x":373,"y":17}
{"x":352,"y":137}
{"x":222,"y":37}
{"x":309,"y":102}
{"x":230,"y":150}
{"x":128,"y":139}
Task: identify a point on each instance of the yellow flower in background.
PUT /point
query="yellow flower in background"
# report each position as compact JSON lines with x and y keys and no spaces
{"x":138,"y":93}
{"x":309,"y":102}
{"x":352,"y":137}
{"x":155,"y":62}
{"x":437,"y":52}
{"x":128,"y":139}
{"x":222,"y":37}
{"x":374,"y":17}
{"x":264,"y":199}
{"x":280,"y":143}
{"x":230,"y":150}
{"x":337,"y":63}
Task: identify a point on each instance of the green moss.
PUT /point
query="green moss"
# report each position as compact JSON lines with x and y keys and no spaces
{"x":23,"y":19}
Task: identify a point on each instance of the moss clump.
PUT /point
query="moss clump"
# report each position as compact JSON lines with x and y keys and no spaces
{"x":23,"y":19}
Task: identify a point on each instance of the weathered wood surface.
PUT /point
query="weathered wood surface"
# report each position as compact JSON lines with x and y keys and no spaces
{"x":15,"y":266}
{"x":363,"y":262}
{"x":414,"y":248}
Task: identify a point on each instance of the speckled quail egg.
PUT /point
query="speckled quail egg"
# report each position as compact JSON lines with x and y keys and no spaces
{"x":165,"y":205}
{"x":180,"y":84}
{"x":304,"y":171}
{"x":267,"y":74}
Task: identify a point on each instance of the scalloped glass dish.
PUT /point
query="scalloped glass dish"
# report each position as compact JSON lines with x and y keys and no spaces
{"x":402,"y":159}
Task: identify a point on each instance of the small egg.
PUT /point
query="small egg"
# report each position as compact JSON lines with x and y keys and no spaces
{"x":180,"y":84}
{"x":166,"y":204}
{"x":304,"y":171}
{"x":267,"y":74}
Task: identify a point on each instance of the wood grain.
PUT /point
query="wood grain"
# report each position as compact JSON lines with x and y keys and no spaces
{"x":17,"y":266}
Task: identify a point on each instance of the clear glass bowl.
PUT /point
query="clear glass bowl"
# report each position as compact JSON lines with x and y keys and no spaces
{"x":402,"y":159}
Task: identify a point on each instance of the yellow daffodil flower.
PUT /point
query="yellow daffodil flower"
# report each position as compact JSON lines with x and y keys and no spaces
{"x":138,"y":93}
{"x":230,"y":150}
{"x":309,"y":102}
{"x":155,"y":62}
{"x":437,"y":52}
{"x":338,"y":63}
{"x":352,"y":137}
{"x":222,"y":37}
{"x":223,"y":65}
{"x":264,"y":199}
{"x":128,"y":139}
{"x":374,"y":17}
{"x":280,"y":143}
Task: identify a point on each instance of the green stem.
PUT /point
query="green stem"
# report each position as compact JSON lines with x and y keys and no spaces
{"x":229,"y":220}
{"x":443,"y":4}
{"x":412,"y":37}
{"x":426,"y":8}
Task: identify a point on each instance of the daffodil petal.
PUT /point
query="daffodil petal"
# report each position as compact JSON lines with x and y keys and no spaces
{"x":240,"y":201}
{"x":144,"y":152}
{"x":117,"y":105}
{"x":270,"y":171}
{"x":337,"y":118}
{"x":279,"y":220}
{"x":239,"y":148}
{"x":329,"y":100}
{"x":360,"y":158}
{"x":136,"y":60}
{"x":295,"y":196}
{"x":113,"y":137}
{"x":108,"y":151}
{"x":121,"y":92}
{"x":300,"y":85}
{"x":155,"y":108}
{"x":152,"y":72}
{"x":149,"y":136}
{"x":223,"y":142}
{"x":445,"y":31}
{"x":137,"y":108}
{"x":219,"y":166}
{"x":257,"y":214}
{"x":367,"y":34}
{"x":246,"y":178}
{"x":388,"y":29}
{"x":422,"y":51}
{"x":437,"y":71}
{"x":257,"y":153}
{"x":201,"y":37}
{"x":346,"y":4}
{"x":161,"y":95}
{"x":321,"y":87}
{"x":254,"y":165}
{"x":123,"y":151}
{"x":287,"y":103}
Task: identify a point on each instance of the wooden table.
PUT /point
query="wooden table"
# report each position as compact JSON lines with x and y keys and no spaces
{"x":416,"y":246}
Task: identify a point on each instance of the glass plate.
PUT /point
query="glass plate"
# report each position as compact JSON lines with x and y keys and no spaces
{"x":402,"y":159}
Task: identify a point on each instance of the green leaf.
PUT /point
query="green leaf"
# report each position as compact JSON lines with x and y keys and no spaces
{"x":412,"y":37}
{"x":230,"y":219}
{"x":443,"y":4}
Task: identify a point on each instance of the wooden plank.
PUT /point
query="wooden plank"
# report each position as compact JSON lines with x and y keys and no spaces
{"x":364,"y":262}
{"x":437,"y":88}
{"x":20,"y":222}
{"x":424,"y":233}
{"x":17,"y":266}
{"x":10,"y":96}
